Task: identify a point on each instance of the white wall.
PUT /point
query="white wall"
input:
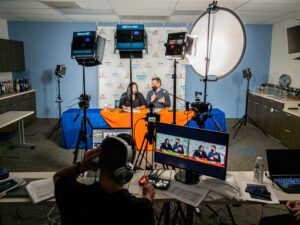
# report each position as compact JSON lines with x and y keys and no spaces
{"x":4,"y":34}
{"x":282,"y":62}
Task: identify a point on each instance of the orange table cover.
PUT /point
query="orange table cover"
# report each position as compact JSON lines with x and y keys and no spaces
{"x":118,"y":119}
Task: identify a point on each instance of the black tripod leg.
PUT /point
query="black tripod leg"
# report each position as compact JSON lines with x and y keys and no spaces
{"x":230,"y":214}
{"x":143,"y":155}
{"x":79,"y":139}
{"x":140,"y":152}
{"x":235,"y":133}
{"x":56,"y":126}
{"x":238,"y":122}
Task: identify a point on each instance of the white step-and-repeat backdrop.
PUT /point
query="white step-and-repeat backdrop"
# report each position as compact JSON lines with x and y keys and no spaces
{"x":113,"y":73}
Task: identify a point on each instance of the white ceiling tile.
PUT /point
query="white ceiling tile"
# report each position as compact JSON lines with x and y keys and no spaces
{"x":31,"y":11}
{"x":292,"y":15}
{"x":283,"y":2}
{"x":42,"y":17}
{"x":94,"y":4}
{"x":259,"y":14}
{"x":137,"y":12}
{"x":271,"y":7}
{"x":254,"y":20}
{"x":94,"y":18}
{"x":143,"y":4}
{"x":182,"y":19}
{"x":22,"y":5}
{"x":203,"y":5}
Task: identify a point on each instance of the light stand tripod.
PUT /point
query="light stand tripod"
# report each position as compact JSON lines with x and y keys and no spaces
{"x":83,"y":104}
{"x":59,"y":72}
{"x":246,"y":118}
{"x":175,"y":92}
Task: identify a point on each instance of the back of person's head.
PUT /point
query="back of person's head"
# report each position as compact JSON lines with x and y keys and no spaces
{"x":114,"y":157}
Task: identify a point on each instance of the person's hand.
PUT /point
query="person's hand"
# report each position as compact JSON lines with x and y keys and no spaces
{"x":162,"y":100}
{"x":290,"y":205}
{"x":148,"y":191}
{"x":296,"y":213}
{"x":153,"y":97}
{"x":87,"y":163}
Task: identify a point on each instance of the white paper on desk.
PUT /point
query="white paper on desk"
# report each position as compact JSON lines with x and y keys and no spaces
{"x":41,"y":190}
{"x":274,"y":199}
{"x":185,"y":193}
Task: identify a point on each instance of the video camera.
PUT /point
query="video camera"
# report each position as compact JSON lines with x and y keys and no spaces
{"x":200,"y":107}
{"x":151,"y":119}
{"x":84,"y":101}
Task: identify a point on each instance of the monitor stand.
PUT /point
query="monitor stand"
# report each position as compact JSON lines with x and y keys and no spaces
{"x":187,"y":177}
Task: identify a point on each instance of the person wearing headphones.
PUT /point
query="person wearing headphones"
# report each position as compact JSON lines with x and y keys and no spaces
{"x":105,"y":201}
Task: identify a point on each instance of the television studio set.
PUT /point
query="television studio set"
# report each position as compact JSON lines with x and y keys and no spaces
{"x":168,"y":112}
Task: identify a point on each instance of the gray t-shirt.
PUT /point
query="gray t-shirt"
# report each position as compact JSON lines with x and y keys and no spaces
{"x":159,"y":94}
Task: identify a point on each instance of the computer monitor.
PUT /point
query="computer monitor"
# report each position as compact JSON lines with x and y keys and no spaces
{"x":99,"y":134}
{"x":183,"y":149}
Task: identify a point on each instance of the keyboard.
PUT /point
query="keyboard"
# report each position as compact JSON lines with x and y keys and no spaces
{"x":289,"y":184}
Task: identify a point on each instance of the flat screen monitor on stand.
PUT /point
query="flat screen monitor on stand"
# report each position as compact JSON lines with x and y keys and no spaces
{"x":196,"y":151}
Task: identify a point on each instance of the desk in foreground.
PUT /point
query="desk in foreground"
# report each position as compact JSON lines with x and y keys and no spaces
{"x":133,"y":187}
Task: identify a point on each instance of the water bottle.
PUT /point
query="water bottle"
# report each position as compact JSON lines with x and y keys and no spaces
{"x":258,"y":170}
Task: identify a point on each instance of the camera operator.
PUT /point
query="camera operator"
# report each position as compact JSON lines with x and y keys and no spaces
{"x":106,"y":201}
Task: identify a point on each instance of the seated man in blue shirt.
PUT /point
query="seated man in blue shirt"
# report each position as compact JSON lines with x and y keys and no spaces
{"x":213,"y":155}
{"x":158,"y":96}
{"x":177,"y":147}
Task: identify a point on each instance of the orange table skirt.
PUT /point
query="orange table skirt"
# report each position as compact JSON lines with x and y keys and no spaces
{"x":118,"y":119}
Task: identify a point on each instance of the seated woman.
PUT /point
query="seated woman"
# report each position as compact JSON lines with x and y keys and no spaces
{"x":138,"y":100}
{"x":166,"y":145}
{"x":200,"y":153}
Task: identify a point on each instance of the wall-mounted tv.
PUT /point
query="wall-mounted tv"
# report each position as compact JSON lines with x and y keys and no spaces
{"x":11,"y":56}
{"x":293,"y":36}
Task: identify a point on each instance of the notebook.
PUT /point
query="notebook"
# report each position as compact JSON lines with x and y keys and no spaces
{"x":284,"y":169}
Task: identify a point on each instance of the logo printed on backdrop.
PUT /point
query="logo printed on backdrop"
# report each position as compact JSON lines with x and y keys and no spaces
{"x":148,"y":66}
{"x":108,"y":85}
{"x":120,"y":65}
{"x":141,"y":77}
{"x":116,"y":75}
{"x":102,"y":97}
{"x":102,"y":75}
{"x":153,"y":64}
{"x":121,"y":87}
{"x":155,"y":55}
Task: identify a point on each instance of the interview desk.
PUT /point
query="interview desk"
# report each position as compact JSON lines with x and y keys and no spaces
{"x":114,"y":118}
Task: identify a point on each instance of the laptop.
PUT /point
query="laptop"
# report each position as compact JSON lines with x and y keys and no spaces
{"x":284,"y":169}
{"x":100,"y":133}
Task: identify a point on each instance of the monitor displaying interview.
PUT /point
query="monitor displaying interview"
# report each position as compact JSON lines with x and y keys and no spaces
{"x":193,"y":149}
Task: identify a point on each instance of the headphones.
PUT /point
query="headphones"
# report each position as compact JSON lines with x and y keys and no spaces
{"x":123,"y":174}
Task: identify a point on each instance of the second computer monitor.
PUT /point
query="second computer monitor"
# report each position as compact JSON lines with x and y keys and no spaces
{"x":192,"y":149}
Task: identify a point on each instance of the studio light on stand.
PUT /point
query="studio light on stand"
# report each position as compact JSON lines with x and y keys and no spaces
{"x":178,"y":44}
{"x":130,"y":42}
{"x":88,"y":50}
{"x":245,"y":119}
{"x":60,"y":72}
{"x":220,"y":47}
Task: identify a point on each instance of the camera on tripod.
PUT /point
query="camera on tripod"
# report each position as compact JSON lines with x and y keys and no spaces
{"x":152,"y":118}
{"x":200,"y":107}
{"x":84,"y":101}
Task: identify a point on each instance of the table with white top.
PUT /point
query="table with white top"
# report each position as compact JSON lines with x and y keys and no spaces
{"x":11,"y":117}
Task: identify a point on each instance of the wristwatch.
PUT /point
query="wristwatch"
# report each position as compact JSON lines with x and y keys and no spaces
{"x":77,"y":167}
